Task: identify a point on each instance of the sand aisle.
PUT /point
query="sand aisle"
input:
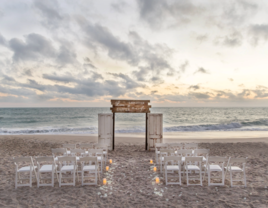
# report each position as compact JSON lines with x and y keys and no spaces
{"x":131,"y":179}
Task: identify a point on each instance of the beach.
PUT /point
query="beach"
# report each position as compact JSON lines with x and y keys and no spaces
{"x":131,"y":180}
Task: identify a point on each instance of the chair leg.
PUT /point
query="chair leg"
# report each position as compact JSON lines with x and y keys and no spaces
{"x":82,"y":177}
{"x":166,"y":176}
{"x":208,"y":178}
{"x":31,"y":177}
{"x":16,"y":180}
{"x":245,"y":181}
{"x":74,"y":178}
{"x":60,"y":179}
{"x":38,"y":178}
{"x":231,"y":179}
{"x":52,"y":175}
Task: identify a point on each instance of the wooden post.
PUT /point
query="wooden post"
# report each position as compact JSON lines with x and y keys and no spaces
{"x":113,"y":128}
{"x":146,"y":131}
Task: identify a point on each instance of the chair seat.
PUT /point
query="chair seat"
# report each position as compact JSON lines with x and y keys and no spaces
{"x":89,"y":167}
{"x":68,"y":152}
{"x":215,"y":168}
{"x":25,"y":169}
{"x":235,"y":169}
{"x":173,"y":167}
{"x":157,"y":152}
{"x":99,"y":158}
{"x":67,"y":168}
{"x":193,"y":167}
{"x":46,"y":168}
{"x":104,"y":152}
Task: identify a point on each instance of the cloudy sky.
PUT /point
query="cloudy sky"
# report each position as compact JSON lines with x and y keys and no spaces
{"x":175,"y":53}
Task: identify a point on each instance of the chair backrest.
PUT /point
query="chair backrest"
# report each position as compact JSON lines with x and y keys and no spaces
{"x":199,"y":152}
{"x":193,"y":159}
{"x":67,"y":159}
{"x":191,"y":146}
{"x":172,"y":158}
{"x":23,"y":160}
{"x":217,"y":159}
{"x":237,"y":160}
{"x":184,"y":152}
{"x":167,"y":151}
{"x":69,"y":146}
{"x":79,"y":151}
{"x":44,"y":159}
{"x":95,"y":151}
{"x":89,"y":159}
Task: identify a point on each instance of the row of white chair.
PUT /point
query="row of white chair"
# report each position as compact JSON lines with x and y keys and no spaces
{"x":48,"y":164}
{"x":174,"y":146}
{"x":197,"y":164}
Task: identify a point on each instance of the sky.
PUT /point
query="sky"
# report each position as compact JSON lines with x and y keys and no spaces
{"x":176,"y":53}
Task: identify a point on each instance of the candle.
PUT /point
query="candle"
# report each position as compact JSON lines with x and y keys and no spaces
{"x":104,"y":181}
{"x":155,"y":169}
{"x":107,"y":168}
{"x":151,"y":161}
{"x":111,"y":161}
{"x":157,"y":180}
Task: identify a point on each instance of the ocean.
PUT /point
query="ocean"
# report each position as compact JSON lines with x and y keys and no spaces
{"x":85,"y":120}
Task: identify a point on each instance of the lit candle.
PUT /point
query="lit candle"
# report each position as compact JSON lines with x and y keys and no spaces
{"x":157,"y":180}
{"x":104,"y":181}
{"x":155,"y":169}
{"x":107,"y":168}
{"x":111,"y":161}
{"x":151,"y":161}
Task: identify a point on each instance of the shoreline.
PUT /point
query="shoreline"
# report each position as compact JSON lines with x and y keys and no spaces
{"x":199,"y":137}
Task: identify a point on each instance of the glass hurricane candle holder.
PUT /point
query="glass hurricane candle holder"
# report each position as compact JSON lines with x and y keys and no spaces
{"x":155,"y":169}
{"x":107,"y":168}
{"x":111,"y":161}
{"x":157,"y":180}
{"x":104,"y":181}
{"x":151,"y":161}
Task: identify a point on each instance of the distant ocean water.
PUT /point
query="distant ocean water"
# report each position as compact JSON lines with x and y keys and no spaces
{"x":85,"y":120}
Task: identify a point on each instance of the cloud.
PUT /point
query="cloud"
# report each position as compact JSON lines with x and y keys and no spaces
{"x":151,"y":60}
{"x":157,"y":12}
{"x":35,"y":47}
{"x":127,"y":81}
{"x":54,"y":77}
{"x":3,"y":40}
{"x":184,"y":66}
{"x":49,"y":11}
{"x":202,"y":71}
{"x":234,"y":39}
{"x":119,"y":6}
{"x":258,"y":32}
{"x":231,"y":79}
{"x":202,"y":38}
{"x":194,"y":87}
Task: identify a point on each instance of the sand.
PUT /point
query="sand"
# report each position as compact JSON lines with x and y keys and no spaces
{"x":131,"y":178}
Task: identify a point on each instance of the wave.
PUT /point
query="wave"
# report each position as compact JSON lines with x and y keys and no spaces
{"x":94,"y":130}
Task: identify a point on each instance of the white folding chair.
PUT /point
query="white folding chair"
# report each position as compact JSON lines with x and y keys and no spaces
{"x":164,"y":153}
{"x":88,"y":167}
{"x":193,"y":165}
{"x":105,"y":151}
{"x":158,"y":146}
{"x":59,"y":152}
{"x":24,"y":165}
{"x":99,"y":154}
{"x":216,"y":165}
{"x":45,"y":165}
{"x":174,"y":166}
{"x":237,"y":165}
{"x":67,"y":165}
{"x":69,"y":147}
